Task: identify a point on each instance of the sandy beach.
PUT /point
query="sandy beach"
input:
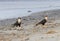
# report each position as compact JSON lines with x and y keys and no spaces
{"x":29,"y":32}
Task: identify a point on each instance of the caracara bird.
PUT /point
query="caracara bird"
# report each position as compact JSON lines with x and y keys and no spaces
{"x":42,"y":21}
{"x":18,"y":22}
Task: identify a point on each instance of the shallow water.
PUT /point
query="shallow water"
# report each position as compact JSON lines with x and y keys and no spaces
{"x":15,"y":9}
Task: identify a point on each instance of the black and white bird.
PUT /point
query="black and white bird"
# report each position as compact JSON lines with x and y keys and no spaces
{"x":18,"y":22}
{"x":42,"y":21}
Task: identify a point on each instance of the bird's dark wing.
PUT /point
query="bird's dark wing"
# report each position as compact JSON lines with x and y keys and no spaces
{"x":41,"y":22}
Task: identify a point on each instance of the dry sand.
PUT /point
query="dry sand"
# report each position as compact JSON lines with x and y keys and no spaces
{"x":49,"y":32}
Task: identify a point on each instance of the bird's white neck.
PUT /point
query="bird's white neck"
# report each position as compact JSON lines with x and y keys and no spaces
{"x":19,"y":20}
{"x":46,"y":18}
